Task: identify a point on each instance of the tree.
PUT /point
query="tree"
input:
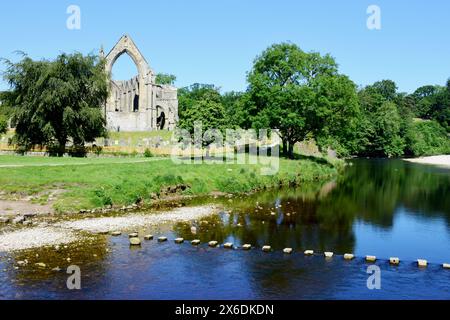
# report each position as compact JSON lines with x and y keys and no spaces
{"x":386,"y":88}
{"x":56,"y":102}
{"x":188,"y":96}
{"x":201,"y":103}
{"x":165,"y":78}
{"x":388,"y":140}
{"x":235,"y":112}
{"x":4,"y":113}
{"x":425,"y":99}
{"x":386,"y":116}
{"x":426,"y":137}
{"x":433,"y":103}
{"x":3,"y":124}
{"x":287,"y":91}
{"x":440,"y":110}
{"x":337,"y":106}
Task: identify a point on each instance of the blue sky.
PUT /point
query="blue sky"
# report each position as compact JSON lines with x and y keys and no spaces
{"x":216,"y":41}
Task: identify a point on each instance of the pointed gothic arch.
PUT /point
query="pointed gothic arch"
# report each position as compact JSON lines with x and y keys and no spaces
{"x":132,"y":104}
{"x":127,"y":46}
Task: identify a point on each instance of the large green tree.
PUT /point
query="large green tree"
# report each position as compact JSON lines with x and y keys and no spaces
{"x":56,"y":102}
{"x":433,"y":103}
{"x":382,"y":125}
{"x":386,"y":88}
{"x":201,"y":104}
{"x":300,"y":94}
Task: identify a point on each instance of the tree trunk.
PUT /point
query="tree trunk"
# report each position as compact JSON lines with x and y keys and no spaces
{"x":285,"y":147}
{"x":291,"y":150}
{"x":61,"y":147}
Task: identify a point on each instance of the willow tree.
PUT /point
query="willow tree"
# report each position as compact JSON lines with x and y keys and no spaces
{"x":56,"y":102}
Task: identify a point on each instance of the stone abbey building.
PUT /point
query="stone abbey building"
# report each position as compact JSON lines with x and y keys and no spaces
{"x":138,"y":104}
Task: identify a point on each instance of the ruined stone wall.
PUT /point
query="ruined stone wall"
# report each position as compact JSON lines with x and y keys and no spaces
{"x":139,"y":104}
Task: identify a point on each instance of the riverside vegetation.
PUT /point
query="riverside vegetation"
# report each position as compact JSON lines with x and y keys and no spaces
{"x":99,"y":182}
{"x":52,"y":104}
{"x":301,"y":94}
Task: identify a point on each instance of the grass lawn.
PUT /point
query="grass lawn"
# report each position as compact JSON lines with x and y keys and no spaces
{"x":95,"y":182}
{"x":16,"y":160}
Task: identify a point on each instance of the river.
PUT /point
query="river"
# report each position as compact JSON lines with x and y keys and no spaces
{"x":386,"y":208}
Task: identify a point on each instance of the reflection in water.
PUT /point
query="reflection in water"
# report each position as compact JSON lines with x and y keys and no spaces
{"x":380,"y":207}
{"x":379,"y":198}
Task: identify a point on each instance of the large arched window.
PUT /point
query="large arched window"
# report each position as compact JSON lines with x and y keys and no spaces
{"x":124,"y":68}
{"x":124,"y":75}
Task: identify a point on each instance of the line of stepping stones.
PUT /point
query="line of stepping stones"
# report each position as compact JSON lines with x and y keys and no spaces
{"x":135,"y":241}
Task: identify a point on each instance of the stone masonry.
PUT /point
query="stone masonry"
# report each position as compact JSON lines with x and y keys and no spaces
{"x":138,"y":104}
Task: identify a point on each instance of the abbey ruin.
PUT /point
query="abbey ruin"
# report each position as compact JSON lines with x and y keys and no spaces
{"x":138,"y":104}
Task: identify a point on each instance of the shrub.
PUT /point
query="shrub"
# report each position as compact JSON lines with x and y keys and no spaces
{"x":77,"y":151}
{"x":425,"y":138}
{"x":105,"y":199}
{"x":134,"y":153}
{"x":148,"y":153}
{"x":97,"y":150}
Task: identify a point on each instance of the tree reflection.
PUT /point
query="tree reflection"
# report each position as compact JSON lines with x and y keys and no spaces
{"x":321,"y":216}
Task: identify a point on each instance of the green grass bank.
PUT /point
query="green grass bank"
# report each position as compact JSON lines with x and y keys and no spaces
{"x":97,"y":182}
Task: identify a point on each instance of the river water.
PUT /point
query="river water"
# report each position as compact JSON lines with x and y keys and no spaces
{"x":386,"y":208}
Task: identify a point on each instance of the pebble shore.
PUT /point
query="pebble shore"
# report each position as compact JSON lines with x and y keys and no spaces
{"x":68,"y":231}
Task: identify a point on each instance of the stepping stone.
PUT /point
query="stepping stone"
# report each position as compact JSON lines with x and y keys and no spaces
{"x":40,"y":265}
{"x":148,"y":237}
{"x":22,"y":263}
{"x":19,"y":219}
{"x":162,"y":239}
{"x":179,"y":240}
{"x":371,"y":258}
{"x":30,"y":215}
{"x":287,"y":250}
{"x":247,"y":246}
{"x":213,"y":244}
{"x":266,"y":248}
{"x":422,"y":263}
{"x":328,"y":254}
{"x":195,"y":242}
{"x":135,"y":241}
{"x":309,"y":252}
{"x":394,"y":260}
{"x":4,"y":220}
{"x":228,"y":245}
{"x":116,"y":233}
{"x":349,"y":256}
{"x":133,"y":235}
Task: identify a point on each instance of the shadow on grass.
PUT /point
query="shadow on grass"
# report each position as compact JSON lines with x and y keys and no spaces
{"x":319,"y":160}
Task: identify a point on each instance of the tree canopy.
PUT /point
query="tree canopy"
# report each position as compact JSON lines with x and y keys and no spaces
{"x":303,"y":96}
{"x":165,"y":78}
{"x":56,"y":102}
{"x":201,"y":103}
{"x":300,"y":94}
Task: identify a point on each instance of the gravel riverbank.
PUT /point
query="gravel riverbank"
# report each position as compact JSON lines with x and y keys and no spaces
{"x":96,"y":225}
{"x":68,"y":231}
{"x":442,"y":160}
{"x":34,"y":238}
